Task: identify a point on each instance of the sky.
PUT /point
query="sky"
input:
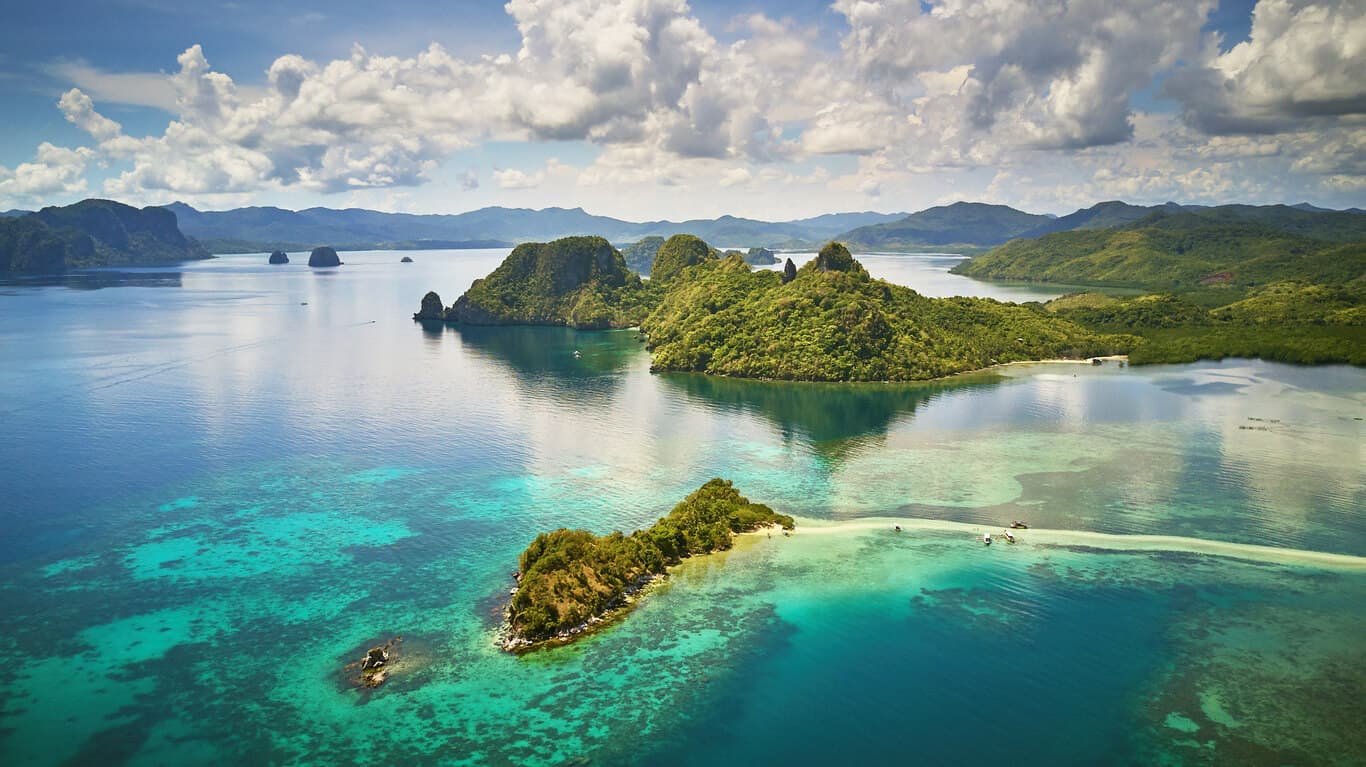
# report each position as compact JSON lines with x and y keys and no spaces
{"x":650,"y":109}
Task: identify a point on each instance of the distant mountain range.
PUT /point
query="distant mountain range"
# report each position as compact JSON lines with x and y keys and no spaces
{"x":247,"y":230}
{"x":967,"y":227}
{"x":102,"y":232}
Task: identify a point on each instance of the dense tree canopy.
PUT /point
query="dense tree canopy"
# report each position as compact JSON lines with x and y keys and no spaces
{"x":570,"y":576}
{"x":833,"y":322}
{"x":1178,"y":252}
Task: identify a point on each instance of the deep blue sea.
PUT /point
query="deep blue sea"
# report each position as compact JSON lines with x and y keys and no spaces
{"x":223,"y":481}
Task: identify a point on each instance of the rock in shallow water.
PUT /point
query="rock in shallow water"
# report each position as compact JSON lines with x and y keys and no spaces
{"x":279,"y":257}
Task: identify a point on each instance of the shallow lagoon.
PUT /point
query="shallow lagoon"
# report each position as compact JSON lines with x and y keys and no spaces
{"x":226,"y":480}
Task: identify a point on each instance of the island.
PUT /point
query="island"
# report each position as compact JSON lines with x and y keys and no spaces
{"x":760,"y":257}
{"x":834,"y":322}
{"x":582,"y":282}
{"x":827,"y":321}
{"x":324,"y":256}
{"x":1275,"y":282}
{"x":93,"y":233}
{"x":279,"y":257}
{"x":570,"y":582}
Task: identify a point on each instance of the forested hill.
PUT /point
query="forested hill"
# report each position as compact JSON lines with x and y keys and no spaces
{"x":93,"y":233}
{"x":962,"y":226}
{"x":1233,"y":246}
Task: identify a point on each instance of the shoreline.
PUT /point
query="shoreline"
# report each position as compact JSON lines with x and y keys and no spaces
{"x":1045,"y":537}
{"x":627,"y":602}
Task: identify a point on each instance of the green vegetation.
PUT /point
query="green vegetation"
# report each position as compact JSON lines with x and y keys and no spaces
{"x":833,"y":322}
{"x":1180,"y":252}
{"x":960,"y":227}
{"x":640,"y":256}
{"x":760,"y":257}
{"x":571,"y":577}
{"x":93,"y":233}
{"x":581,"y":282}
{"x":1274,"y":282}
{"x":678,"y":253}
{"x":1287,"y":322}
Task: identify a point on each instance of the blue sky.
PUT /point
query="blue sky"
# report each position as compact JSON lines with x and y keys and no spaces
{"x":663,"y":108}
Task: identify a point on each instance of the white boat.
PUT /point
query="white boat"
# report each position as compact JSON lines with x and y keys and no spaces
{"x":986,"y":538}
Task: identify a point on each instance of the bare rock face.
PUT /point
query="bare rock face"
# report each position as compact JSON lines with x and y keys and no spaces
{"x":431,"y":308}
{"x":376,"y":665}
{"x":789,"y":271}
{"x":405,"y":260}
{"x":279,"y":257}
{"x":324,"y":256}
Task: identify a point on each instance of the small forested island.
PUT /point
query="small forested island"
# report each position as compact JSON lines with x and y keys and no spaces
{"x":568,"y":581}
{"x":1276,"y":283}
{"x":93,"y":233}
{"x":828,"y":321}
{"x":760,"y":257}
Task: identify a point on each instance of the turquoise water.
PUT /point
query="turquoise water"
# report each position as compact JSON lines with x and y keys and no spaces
{"x":225,"y":481}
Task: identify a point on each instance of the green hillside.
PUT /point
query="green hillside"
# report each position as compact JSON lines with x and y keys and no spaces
{"x":1184,"y":252}
{"x":582,"y":282}
{"x":962,"y":226}
{"x":93,"y":233}
{"x":835,"y":323}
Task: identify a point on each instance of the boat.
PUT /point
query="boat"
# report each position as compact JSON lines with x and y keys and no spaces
{"x":986,"y":538}
{"x":576,"y":354}
{"x":1009,"y":538}
{"x":896,"y":528}
{"x":1018,"y":525}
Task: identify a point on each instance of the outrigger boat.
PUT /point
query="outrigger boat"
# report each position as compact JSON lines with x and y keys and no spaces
{"x":1009,"y":538}
{"x":1018,"y":525}
{"x":986,"y":539}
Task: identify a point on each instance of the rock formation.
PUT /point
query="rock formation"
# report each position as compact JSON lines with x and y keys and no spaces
{"x":376,"y":665}
{"x":431,"y":308}
{"x":279,"y":257}
{"x":405,"y":260}
{"x":324,"y":256}
{"x":789,"y":271}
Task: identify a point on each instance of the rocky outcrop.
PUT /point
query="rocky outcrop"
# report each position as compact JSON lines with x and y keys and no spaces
{"x":432,"y":308}
{"x":789,"y":271}
{"x":324,"y":256}
{"x":376,"y":665}
{"x":405,"y":260}
{"x":279,"y":257}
